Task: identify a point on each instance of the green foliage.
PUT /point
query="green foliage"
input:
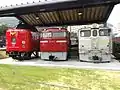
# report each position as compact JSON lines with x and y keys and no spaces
{"x":116,"y":47}
{"x":65,"y":26}
{"x":3,"y":28}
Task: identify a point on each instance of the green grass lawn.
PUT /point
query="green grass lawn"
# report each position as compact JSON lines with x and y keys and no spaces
{"x":45,"y":78}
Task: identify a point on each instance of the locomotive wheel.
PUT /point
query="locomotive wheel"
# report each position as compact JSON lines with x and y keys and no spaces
{"x":1,"y":46}
{"x":28,"y":56}
{"x":14,"y":57}
{"x":21,"y":57}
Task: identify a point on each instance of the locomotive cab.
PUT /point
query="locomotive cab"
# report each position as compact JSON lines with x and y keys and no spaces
{"x":21,"y":42}
{"x":54,"y":44}
{"x":95,"y":44}
{"x":116,"y":46}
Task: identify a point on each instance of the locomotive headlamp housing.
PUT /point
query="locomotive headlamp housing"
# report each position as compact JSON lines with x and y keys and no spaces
{"x":23,"y":42}
{"x":23,"y":46}
{"x":12,"y":33}
{"x":95,"y":25}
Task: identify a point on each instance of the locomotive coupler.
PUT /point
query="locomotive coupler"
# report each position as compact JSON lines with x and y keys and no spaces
{"x":52,"y":57}
{"x":95,"y":57}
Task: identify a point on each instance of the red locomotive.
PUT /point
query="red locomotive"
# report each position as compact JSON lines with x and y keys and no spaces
{"x":116,"y":46}
{"x":21,"y":43}
{"x":54,"y":44}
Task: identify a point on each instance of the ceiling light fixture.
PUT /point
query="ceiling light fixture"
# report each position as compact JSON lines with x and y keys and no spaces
{"x":37,"y":18}
{"x":79,"y":14}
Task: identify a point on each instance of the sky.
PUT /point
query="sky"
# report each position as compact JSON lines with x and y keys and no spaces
{"x":114,"y":18}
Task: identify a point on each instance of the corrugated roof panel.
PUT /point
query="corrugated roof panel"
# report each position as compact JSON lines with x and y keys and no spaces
{"x":46,"y":18}
{"x":84,"y":14}
{"x":71,"y":14}
{"x":97,"y":13}
{"x":56,"y":16}
{"x":26,"y":19}
{"x":92,"y":13}
{"x":42,"y":17}
{"x":88,"y":14}
{"x":75,"y":14}
{"x":39,"y":19}
{"x":68,"y":14}
{"x":32,"y":19}
{"x":36,"y":19}
{"x":101,"y":12}
{"x":52,"y":17}
{"x":60,"y":13}
{"x":105,"y":11}
{"x":79,"y":17}
{"x":62,"y":16}
{"x":96,"y":16}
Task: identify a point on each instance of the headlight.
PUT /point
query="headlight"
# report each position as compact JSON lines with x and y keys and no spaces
{"x":23,"y":42}
{"x":23,"y":46}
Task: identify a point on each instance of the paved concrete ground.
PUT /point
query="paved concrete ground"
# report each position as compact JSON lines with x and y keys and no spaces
{"x":4,"y":48}
{"x":113,"y":65}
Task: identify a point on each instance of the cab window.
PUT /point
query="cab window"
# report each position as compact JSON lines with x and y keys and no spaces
{"x":59,"y":34}
{"x":85,"y":33}
{"x":104,"y":32}
{"x":46,"y":34}
{"x":94,"y":32}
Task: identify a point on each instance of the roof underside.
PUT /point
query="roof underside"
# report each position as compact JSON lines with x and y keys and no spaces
{"x":69,"y":12}
{"x":72,"y":16}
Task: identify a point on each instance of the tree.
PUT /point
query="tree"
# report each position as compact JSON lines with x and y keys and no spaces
{"x":64,"y":26}
{"x":3,"y":28}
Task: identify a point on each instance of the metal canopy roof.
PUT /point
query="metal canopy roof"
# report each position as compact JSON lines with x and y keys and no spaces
{"x":67,"y":12}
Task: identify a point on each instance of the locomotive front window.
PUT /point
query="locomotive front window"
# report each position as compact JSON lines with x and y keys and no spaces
{"x":13,"y":40}
{"x":85,"y":33}
{"x":46,"y":34}
{"x":59,"y":34}
{"x":104,"y":32}
{"x":94,"y":32}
